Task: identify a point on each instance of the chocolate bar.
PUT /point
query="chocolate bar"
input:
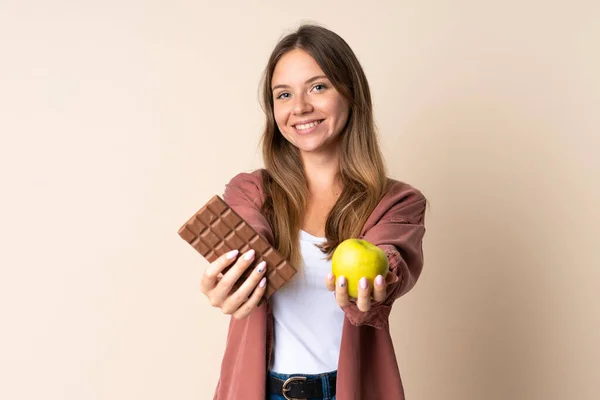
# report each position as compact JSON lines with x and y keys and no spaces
{"x":216,"y":229}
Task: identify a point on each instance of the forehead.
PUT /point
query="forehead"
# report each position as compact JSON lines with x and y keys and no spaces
{"x":295,"y":66}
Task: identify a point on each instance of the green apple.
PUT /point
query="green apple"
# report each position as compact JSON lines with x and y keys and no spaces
{"x":357,"y":258}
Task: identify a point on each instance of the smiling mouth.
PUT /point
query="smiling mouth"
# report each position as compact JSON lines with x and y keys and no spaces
{"x":307,"y":127}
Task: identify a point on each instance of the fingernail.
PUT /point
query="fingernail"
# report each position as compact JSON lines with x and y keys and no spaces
{"x":379,"y":280}
{"x":261,"y":266}
{"x":329,"y":276}
{"x":342,"y":281}
{"x":363,"y":283}
{"x":263,"y":282}
{"x":249,"y":254}
{"x":231,"y":254}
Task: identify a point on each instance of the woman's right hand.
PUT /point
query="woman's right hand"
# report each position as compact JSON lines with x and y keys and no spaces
{"x":217,"y":286}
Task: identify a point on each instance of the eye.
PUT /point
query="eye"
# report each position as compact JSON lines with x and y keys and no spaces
{"x":319,"y":87}
{"x":283,"y":95}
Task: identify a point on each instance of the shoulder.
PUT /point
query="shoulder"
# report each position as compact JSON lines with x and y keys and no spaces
{"x":245,"y":187}
{"x":403,"y":191}
{"x":402,"y":202}
{"x":248,"y":180}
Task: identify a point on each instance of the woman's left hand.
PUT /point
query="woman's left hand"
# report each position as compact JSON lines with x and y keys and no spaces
{"x":365,"y":291}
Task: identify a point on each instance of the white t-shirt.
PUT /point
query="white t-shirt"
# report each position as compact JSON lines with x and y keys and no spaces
{"x":308,"y":321}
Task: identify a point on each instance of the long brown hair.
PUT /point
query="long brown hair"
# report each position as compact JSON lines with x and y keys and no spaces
{"x":362,"y":169}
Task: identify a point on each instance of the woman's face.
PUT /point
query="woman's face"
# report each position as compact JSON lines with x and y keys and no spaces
{"x":308,"y":110}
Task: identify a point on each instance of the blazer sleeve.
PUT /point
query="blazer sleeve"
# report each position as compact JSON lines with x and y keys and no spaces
{"x":244,"y":195}
{"x":399,"y":232}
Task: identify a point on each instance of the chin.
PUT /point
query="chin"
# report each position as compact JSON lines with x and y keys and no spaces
{"x":317,"y":148}
{"x":309,"y":144}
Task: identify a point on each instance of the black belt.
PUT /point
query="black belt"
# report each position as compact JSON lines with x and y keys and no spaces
{"x":298,"y":387}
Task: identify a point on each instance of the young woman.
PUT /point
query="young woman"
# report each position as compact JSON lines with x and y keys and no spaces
{"x":324,"y":181}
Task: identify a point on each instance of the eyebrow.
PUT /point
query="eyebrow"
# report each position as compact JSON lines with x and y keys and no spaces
{"x":314,"y":78}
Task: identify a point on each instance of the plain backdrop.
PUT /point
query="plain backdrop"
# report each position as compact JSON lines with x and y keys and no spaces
{"x":119,"y":119}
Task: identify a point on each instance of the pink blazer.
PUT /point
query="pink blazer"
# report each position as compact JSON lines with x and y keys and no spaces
{"x":367,"y":367}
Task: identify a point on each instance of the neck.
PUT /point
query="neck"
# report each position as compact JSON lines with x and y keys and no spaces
{"x":321,"y":171}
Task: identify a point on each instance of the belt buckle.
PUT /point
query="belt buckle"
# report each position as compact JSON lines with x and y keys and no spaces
{"x":286,"y":389}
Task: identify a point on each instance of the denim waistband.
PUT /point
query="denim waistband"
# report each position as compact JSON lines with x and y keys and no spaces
{"x":328,"y":391}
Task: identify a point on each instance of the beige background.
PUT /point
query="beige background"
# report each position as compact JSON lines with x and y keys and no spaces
{"x":107,"y":110}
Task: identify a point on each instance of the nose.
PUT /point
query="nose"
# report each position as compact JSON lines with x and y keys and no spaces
{"x":301,"y":105}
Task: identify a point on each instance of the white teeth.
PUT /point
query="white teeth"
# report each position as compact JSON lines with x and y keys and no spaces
{"x":308,"y":126}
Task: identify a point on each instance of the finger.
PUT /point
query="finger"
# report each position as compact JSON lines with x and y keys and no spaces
{"x":241,"y":295}
{"x":247,"y":308}
{"x":379,"y":290}
{"x":233,"y":274}
{"x":212,"y":274}
{"x":221,"y":291}
{"x":363,"y":302}
{"x":330,"y":282}
{"x":341,"y":292}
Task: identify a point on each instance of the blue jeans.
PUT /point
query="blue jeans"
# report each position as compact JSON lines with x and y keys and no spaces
{"x":326,"y":387}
